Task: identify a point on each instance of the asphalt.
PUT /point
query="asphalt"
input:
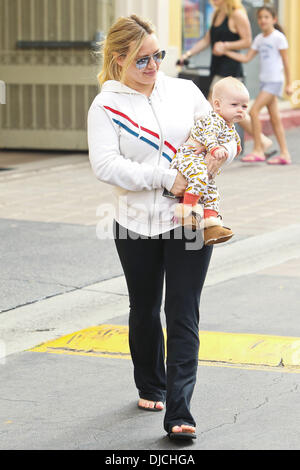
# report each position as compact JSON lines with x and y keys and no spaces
{"x":40,"y":260}
{"x":58,"y":278}
{"x":63,"y":402}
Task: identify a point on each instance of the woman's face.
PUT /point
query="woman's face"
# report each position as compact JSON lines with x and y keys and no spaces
{"x":144,"y":77}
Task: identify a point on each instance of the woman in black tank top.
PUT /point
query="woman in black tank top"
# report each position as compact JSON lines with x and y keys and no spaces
{"x":230,"y":30}
{"x":221,"y":64}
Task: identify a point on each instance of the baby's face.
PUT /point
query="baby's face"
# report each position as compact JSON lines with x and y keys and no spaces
{"x":233,"y":106}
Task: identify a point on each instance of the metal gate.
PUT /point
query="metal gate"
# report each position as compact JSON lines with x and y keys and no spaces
{"x":48,"y":65}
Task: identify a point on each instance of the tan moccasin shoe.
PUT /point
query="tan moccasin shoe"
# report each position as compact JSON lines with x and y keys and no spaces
{"x":217,"y":234}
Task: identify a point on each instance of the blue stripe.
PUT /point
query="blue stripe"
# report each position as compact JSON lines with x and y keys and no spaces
{"x":142,"y":138}
{"x":149,"y":142}
{"x":125,"y":127}
{"x":167,"y":156}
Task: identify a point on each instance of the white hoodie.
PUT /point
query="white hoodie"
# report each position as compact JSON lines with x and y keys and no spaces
{"x":132,"y":140}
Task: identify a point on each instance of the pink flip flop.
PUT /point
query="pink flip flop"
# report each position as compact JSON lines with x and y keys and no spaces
{"x":278,"y":161}
{"x":251,"y":157}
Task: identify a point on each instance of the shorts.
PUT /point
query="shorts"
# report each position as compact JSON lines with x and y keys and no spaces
{"x":274,"y":88}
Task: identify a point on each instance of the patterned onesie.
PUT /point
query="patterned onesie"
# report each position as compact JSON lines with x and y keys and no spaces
{"x":211,"y":131}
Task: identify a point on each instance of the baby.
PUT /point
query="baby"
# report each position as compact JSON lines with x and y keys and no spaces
{"x":230,"y":101}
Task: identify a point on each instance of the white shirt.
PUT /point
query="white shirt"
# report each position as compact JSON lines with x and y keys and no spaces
{"x":268,"y":47}
{"x":132,"y":140}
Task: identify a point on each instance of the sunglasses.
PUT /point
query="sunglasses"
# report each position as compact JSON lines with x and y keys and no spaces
{"x":143,"y":62}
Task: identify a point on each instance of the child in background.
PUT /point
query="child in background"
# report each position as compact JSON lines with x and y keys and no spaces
{"x":230,"y":101}
{"x":272,"y":47}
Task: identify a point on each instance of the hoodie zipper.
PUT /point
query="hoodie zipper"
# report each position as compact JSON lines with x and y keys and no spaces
{"x":159,"y":155}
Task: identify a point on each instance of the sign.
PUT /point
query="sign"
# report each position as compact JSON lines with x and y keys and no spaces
{"x":196,"y":21}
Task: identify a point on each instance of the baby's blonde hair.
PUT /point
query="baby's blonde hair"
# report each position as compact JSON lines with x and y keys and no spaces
{"x":122,"y":34}
{"x":226,"y":84}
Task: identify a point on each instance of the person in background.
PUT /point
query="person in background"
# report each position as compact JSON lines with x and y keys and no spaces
{"x":272,"y":47}
{"x":230,"y":31}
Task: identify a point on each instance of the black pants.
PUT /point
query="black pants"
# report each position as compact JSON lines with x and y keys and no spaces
{"x":145,"y":262}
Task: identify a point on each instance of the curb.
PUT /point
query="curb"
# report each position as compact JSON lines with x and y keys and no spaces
{"x":231,"y":348}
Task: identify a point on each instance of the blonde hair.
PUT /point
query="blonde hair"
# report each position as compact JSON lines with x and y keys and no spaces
{"x":122,"y":34}
{"x":225,"y":85}
{"x":232,"y":5}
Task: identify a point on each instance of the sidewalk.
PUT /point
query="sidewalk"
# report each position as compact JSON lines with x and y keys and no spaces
{"x":72,"y":281}
{"x":53,"y":207}
{"x":34,"y":191}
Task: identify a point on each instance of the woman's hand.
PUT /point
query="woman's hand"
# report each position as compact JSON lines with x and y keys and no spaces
{"x":214,"y":164}
{"x":179,"y":185}
{"x":219,"y":48}
{"x":184,"y":58}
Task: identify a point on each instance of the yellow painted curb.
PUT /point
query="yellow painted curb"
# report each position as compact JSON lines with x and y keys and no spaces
{"x":233,"y":348}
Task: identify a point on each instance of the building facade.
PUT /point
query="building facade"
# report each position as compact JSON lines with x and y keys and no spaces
{"x":49,"y":65}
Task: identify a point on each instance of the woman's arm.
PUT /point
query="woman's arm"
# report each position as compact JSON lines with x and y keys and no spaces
{"x":242,"y":57}
{"x":243,"y":29}
{"x":287,"y":72}
{"x":111,"y":167}
{"x":198,"y":47}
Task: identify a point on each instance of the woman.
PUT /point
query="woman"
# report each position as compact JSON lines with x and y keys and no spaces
{"x":230,"y":31}
{"x":135,"y":126}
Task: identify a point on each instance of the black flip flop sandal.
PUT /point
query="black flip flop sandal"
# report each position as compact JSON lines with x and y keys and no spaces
{"x":178,"y":436}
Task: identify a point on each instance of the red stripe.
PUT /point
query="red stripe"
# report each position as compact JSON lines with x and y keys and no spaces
{"x":170,"y":146}
{"x":154,"y":134}
{"x":121,"y":114}
{"x":150,"y":132}
{"x":132,"y":122}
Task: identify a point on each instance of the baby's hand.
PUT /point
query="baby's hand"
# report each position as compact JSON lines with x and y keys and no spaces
{"x":220,"y":153}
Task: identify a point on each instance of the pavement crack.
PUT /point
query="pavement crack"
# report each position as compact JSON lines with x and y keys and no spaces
{"x":42,"y":281}
{"x":216,"y":427}
{"x":236,"y":417}
{"x":292,"y":390}
{"x":72,"y":288}
{"x":262,"y":404}
{"x":16,"y":400}
{"x":110,"y":292}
